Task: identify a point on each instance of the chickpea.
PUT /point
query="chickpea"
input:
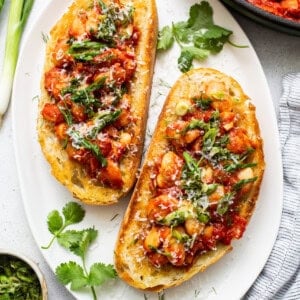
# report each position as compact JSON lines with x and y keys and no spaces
{"x":208,"y":231}
{"x":227,"y":119}
{"x":152,"y":240}
{"x":217,"y":194}
{"x":157,"y":259}
{"x":191,"y":135}
{"x":161,"y":206}
{"x":175,"y":251}
{"x":216,"y":89}
{"x":125,"y":139}
{"x":239,"y":142}
{"x":60,"y":131}
{"x":207,"y":175}
{"x":170,"y":170}
{"x":246,"y":173}
{"x":193,"y":226}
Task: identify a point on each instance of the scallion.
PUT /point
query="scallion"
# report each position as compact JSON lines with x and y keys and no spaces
{"x":1,"y":4}
{"x":18,"y":15}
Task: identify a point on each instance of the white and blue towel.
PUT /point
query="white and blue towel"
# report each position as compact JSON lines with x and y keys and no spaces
{"x":280,"y":278}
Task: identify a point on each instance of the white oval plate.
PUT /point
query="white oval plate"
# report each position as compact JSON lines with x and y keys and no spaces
{"x":231,"y":277}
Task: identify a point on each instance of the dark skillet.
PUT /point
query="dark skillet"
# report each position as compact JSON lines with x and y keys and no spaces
{"x":263,"y":17}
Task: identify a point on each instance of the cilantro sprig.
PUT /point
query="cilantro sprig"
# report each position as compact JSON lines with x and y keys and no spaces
{"x":72,"y":214}
{"x":78,"y":242}
{"x":197,"y":37}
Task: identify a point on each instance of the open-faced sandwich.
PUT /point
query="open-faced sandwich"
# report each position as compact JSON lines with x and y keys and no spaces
{"x":95,"y":93}
{"x":198,"y":185}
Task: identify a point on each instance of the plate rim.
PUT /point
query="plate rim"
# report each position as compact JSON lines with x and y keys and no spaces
{"x":17,"y":154}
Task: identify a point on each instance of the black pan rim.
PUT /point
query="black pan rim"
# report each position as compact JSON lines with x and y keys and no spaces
{"x":266,"y":18}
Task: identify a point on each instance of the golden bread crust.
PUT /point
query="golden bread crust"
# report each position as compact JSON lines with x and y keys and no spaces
{"x":131,"y":263}
{"x":70,"y":173}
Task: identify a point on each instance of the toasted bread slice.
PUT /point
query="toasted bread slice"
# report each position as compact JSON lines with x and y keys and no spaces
{"x":143,"y":253}
{"x":69,"y":171}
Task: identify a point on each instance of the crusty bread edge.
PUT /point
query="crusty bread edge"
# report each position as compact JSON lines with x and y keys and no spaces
{"x":172,"y":276}
{"x":68,"y":172}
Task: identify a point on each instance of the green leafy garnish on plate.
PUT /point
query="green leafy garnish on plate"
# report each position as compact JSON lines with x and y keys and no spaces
{"x":198,"y":37}
{"x":77,"y":242}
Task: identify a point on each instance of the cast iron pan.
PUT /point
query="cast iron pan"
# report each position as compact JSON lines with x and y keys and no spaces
{"x":263,"y":17}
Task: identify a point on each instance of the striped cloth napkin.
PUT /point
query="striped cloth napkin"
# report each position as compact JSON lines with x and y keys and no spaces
{"x":280,"y":278}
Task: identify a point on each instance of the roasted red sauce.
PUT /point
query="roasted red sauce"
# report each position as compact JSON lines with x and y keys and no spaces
{"x":90,"y":106}
{"x":289,"y":9}
{"x":199,"y":183}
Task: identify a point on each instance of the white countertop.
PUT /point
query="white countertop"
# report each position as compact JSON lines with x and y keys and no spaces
{"x":279,"y":54}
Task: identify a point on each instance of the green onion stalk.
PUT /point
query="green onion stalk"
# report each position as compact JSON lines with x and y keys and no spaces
{"x":1,"y":4}
{"x":18,"y":15}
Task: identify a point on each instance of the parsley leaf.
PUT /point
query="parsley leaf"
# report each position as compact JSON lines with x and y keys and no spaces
{"x":197,"y":37}
{"x":72,"y":273}
{"x":185,"y":61}
{"x":55,"y":222}
{"x":187,"y":56}
{"x":72,"y":212}
{"x":86,"y":50}
{"x":201,"y":15}
{"x":99,"y":273}
{"x":243,"y":182}
{"x":80,"y":247}
{"x":165,"y":38}
{"x":224,"y":203}
{"x":78,"y":242}
{"x":82,"y":142}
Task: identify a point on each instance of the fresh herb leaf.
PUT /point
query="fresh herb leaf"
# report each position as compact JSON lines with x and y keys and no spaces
{"x":236,"y":166}
{"x":165,"y":38}
{"x":73,"y":213}
{"x":185,"y":61}
{"x":72,"y":273}
{"x":192,"y":165}
{"x":203,"y":218}
{"x":242,"y":182}
{"x":106,"y":29}
{"x":224,"y":203}
{"x":176,"y":217}
{"x":86,"y":50}
{"x":55,"y":222}
{"x":67,"y":115}
{"x":192,"y":184}
{"x":209,"y":139}
{"x":17,"y":280}
{"x":78,"y":242}
{"x":195,"y":123}
{"x":188,"y":54}
{"x":197,"y":37}
{"x":201,"y":15}
{"x":85,"y":96}
{"x":202,"y":103}
{"x":81,"y":142}
{"x":213,"y":39}
{"x":102,"y":121}
{"x":99,"y":273}
{"x":87,"y":237}
{"x":69,"y":237}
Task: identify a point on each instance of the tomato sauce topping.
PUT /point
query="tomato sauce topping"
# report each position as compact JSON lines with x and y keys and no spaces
{"x":289,"y":9}
{"x":200,"y":182}
{"x":90,"y":107}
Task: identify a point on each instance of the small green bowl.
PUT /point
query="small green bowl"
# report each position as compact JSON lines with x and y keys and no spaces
{"x":12,"y":255}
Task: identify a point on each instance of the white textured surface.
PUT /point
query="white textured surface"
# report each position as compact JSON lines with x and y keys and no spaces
{"x":279,"y":54}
